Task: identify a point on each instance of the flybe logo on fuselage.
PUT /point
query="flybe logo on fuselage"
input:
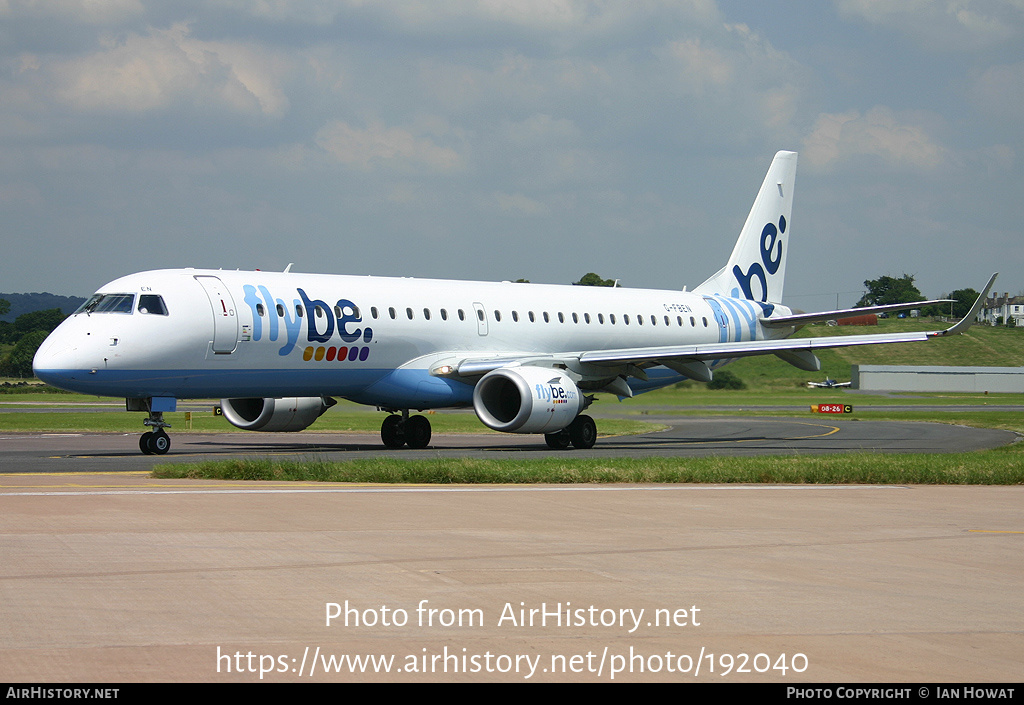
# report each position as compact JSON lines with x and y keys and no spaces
{"x":771,"y":260}
{"x":322,"y":323}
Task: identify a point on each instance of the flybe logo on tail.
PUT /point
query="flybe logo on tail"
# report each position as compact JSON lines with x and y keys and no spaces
{"x":770,"y":247}
{"x":322,"y":324}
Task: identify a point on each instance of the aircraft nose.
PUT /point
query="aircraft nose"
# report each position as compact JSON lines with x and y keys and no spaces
{"x":55,"y":361}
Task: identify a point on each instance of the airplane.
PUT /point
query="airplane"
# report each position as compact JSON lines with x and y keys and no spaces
{"x":829,"y":383}
{"x":279,"y":347}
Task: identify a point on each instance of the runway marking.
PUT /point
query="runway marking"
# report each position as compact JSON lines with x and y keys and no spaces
{"x":992,"y":531}
{"x":72,"y":473}
{"x":424,"y":489}
{"x":649,"y":439}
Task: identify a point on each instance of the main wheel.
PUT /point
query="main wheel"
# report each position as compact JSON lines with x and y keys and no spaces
{"x":583,"y":432}
{"x":559,"y":440}
{"x":391,"y":432}
{"x":417,"y":432}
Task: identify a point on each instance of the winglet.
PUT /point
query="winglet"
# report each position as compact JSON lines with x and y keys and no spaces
{"x":967,"y":321}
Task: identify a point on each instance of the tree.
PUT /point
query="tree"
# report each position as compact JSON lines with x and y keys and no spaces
{"x":5,"y":307}
{"x":18,"y":363}
{"x":591,"y":279}
{"x":45,"y":320}
{"x":890,"y":290}
{"x":963,"y":299}
{"x":724,"y":379}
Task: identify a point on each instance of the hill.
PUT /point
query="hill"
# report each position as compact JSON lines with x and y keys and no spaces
{"x":981,"y":345}
{"x":29,"y":303}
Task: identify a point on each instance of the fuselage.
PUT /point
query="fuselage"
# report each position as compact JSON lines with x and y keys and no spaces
{"x":192,"y":333}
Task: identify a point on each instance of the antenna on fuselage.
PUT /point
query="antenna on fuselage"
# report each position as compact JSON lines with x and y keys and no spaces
{"x":288,"y":268}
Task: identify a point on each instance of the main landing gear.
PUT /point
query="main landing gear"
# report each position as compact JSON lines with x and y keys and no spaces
{"x":581,"y":433}
{"x":155,"y":442}
{"x":398,"y":431}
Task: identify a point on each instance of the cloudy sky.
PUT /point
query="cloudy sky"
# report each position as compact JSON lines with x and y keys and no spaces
{"x":499,"y":139}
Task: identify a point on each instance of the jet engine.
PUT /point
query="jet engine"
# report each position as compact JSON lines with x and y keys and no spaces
{"x":282,"y":414}
{"x":527,"y":400}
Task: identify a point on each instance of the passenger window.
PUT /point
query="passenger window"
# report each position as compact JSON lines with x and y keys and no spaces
{"x":515,"y":316}
{"x":561,"y":318}
{"x":298,"y":311}
{"x":260,"y":311}
{"x":462,"y":315}
{"x":497,"y":315}
{"x":444,"y":314}
{"x":373,"y":312}
{"x":532,"y":320}
{"x":426,"y":314}
{"x":280,"y":311}
{"x":408,"y":312}
{"x":392,"y":312}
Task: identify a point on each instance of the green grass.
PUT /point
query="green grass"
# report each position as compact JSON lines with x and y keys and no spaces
{"x":1003,"y":466}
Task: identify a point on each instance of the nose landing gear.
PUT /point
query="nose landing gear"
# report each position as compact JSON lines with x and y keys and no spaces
{"x":155,"y":442}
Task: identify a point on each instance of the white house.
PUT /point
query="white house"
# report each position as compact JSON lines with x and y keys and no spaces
{"x":1000,"y":309}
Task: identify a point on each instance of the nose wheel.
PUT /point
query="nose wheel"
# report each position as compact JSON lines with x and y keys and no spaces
{"x":155,"y":442}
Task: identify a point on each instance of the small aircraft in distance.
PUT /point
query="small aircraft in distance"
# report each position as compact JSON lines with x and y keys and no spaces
{"x":829,"y":383}
{"x":279,"y":347}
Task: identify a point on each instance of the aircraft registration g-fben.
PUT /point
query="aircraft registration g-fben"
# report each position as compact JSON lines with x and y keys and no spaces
{"x":279,"y":347}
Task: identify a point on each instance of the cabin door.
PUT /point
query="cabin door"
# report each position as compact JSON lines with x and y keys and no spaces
{"x":225,"y":322}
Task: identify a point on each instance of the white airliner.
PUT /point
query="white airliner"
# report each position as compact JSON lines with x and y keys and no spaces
{"x":278,"y":347}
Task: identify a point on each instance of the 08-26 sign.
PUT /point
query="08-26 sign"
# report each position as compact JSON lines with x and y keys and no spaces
{"x":832,"y":408}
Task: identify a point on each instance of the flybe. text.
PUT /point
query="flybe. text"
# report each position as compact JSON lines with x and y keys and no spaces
{"x":321,"y":322}
{"x":554,"y":393}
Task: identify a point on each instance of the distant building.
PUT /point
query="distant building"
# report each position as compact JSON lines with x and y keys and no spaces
{"x":1000,"y":309}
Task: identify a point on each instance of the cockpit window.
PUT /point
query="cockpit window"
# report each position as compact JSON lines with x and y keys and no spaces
{"x":152,"y":304}
{"x":108,"y":303}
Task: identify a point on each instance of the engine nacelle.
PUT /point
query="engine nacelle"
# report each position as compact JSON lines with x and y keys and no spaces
{"x":527,"y":400}
{"x":287,"y":414}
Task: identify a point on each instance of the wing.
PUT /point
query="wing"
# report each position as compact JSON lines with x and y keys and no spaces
{"x":692,"y":360}
{"x":822,"y":316}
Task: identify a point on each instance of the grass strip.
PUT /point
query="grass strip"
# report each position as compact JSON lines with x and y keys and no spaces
{"x":1002,"y":466}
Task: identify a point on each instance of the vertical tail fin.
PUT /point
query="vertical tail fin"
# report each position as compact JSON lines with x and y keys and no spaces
{"x":757,"y":267}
